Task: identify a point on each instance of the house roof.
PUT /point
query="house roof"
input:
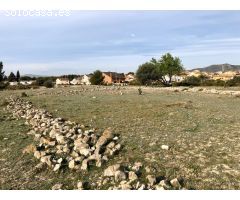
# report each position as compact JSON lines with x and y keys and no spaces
{"x":115,"y":75}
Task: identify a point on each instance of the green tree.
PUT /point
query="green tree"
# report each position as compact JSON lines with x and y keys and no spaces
{"x":18,"y":76}
{"x":162,"y":70}
{"x":97,"y":78}
{"x":2,"y":76}
{"x":11,"y":77}
{"x":168,"y":66}
{"x":146,"y":73}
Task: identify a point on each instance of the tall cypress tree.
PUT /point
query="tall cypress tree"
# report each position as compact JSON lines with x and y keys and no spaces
{"x":18,"y":76}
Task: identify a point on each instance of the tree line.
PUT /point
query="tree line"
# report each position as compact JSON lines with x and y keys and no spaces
{"x":12,"y":77}
{"x":153,"y":72}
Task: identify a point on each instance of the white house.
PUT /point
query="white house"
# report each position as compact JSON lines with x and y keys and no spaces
{"x":26,"y":82}
{"x":62,"y":81}
{"x":175,"y":78}
{"x":85,"y":80}
{"x":13,"y":83}
{"x":76,"y":81}
{"x":129,"y":77}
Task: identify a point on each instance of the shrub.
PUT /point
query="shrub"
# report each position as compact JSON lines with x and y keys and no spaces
{"x":48,"y":84}
{"x":191,"y":81}
{"x":40,"y":81}
{"x":134,"y":82}
{"x":3,"y":85}
{"x":24,"y":94}
{"x":233,"y":82}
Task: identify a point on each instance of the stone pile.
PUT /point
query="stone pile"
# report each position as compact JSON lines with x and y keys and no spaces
{"x":62,"y":143}
{"x":133,"y":177}
{"x":212,"y":91}
{"x":233,"y":93}
{"x":83,"y":89}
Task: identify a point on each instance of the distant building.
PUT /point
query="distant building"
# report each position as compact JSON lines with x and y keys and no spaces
{"x":195,"y":73}
{"x":81,"y":80}
{"x":76,"y":81}
{"x":86,"y":79}
{"x":225,"y":76}
{"x":13,"y":83}
{"x":129,"y":77}
{"x":62,"y":81}
{"x":26,"y":82}
{"x":113,"y":77}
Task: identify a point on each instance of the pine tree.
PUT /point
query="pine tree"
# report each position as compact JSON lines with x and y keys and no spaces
{"x":11,"y":77}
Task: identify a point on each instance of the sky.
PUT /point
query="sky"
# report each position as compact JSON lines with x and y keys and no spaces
{"x":117,"y":40}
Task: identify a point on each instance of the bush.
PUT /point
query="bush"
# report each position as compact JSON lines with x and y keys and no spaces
{"x":191,"y":81}
{"x":40,"y":81}
{"x":18,"y":87}
{"x":3,"y":85}
{"x":24,"y":94}
{"x":233,"y":82}
{"x":134,"y":82}
{"x":48,"y":84}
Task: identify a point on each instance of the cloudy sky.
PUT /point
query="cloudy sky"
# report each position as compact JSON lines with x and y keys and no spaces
{"x":117,"y":40}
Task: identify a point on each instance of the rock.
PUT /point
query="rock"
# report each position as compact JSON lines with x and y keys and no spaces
{"x":71,"y":164}
{"x":110,"y":171}
{"x":60,"y":139}
{"x":115,"y":138}
{"x":84,"y":151}
{"x":132,"y":176}
{"x":175,"y":183}
{"x":106,"y":136}
{"x":118,"y":147}
{"x":57,"y":186}
{"x":80,"y":185}
{"x":47,"y":160}
{"x":37,"y":154}
{"x":52,"y":133}
{"x":99,"y":163}
{"x":142,"y":187}
{"x":57,"y":167}
{"x":119,"y":176}
{"x":159,"y":187}
{"x":151,"y":179}
{"x":147,"y":169}
{"x":165,"y":147}
{"x":126,"y":186}
{"x":84,"y":164}
{"x":164,"y":184}
{"x":137,"y":166}
{"x":110,"y":145}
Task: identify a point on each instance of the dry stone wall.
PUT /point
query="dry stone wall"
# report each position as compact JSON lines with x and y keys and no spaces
{"x":62,"y":143}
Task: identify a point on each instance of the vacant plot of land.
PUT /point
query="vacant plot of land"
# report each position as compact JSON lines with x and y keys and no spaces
{"x":202,"y":130}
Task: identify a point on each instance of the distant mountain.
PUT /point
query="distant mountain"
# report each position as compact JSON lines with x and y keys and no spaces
{"x":219,"y":67}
